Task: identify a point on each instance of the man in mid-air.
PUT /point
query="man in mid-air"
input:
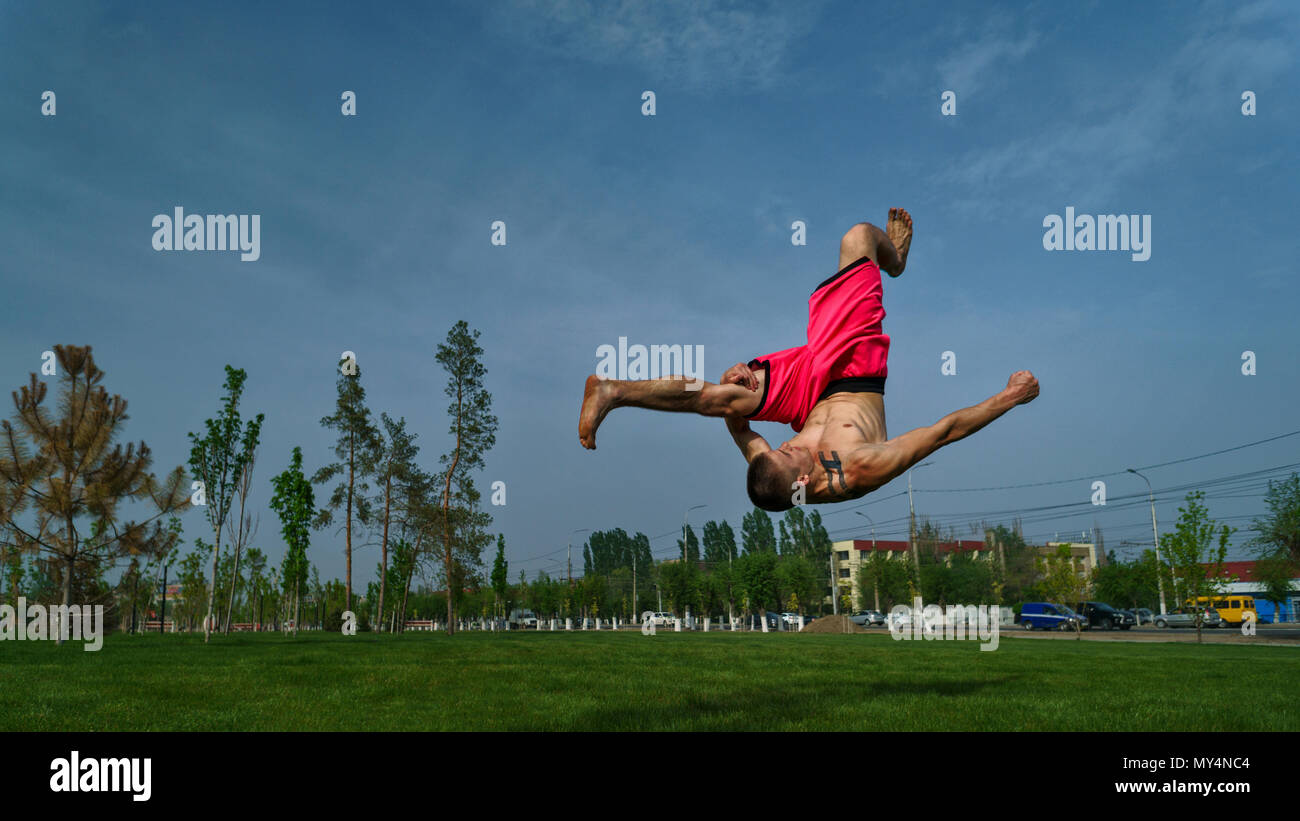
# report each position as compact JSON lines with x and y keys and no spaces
{"x":830,"y":390}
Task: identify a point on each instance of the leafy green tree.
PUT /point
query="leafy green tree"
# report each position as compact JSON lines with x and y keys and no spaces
{"x":256,"y":584}
{"x":757,"y":533}
{"x":474,"y":430}
{"x":798,"y":578}
{"x":756,"y":573}
{"x":680,"y":583}
{"x":194,"y":586}
{"x":401,"y":572}
{"x":1196,"y":551}
{"x":1062,"y":581}
{"x":218,"y":459}
{"x":358,"y":441}
{"x":691,"y":551}
{"x":295,"y":501}
{"x":888,"y":582}
{"x":1274,"y":573}
{"x":500,"y":576}
{"x":69,"y":471}
{"x":1280,"y":530}
{"x":719,"y":543}
{"x":1132,"y":584}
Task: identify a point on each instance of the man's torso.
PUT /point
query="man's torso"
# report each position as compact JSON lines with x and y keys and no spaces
{"x":840,"y":432}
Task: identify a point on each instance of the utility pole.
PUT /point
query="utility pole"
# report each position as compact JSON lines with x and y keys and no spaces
{"x":835,"y":587}
{"x":1160,"y":567}
{"x":635,"y":614}
{"x":875,"y":586}
{"x":684,"y":515}
{"x":911,"y":527}
{"x":571,"y":535}
{"x":162,"y":614}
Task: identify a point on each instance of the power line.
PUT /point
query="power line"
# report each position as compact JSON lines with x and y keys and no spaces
{"x":1107,"y":475}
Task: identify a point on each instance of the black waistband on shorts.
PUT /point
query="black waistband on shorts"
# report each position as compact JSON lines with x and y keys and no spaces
{"x":857,"y":263}
{"x":855,"y":384}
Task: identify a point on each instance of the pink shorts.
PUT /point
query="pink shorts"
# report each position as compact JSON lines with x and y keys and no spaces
{"x":846,"y":350}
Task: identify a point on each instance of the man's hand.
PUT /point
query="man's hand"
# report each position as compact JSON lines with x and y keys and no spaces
{"x":740,"y":374}
{"x":1022,"y":387}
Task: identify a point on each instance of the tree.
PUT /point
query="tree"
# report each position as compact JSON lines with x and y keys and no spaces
{"x":1130,"y":583}
{"x":241,"y":528}
{"x":757,"y":533}
{"x":393,"y":466}
{"x":1280,"y":530}
{"x":798,"y":579}
{"x":218,"y":459}
{"x":500,"y":575}
{"x":1274,"y":573}
{"x":1194,"y":557}
{"x":295,"y":501}
{"x":691,"y":550}
{"x":256,"y":583}
{"x":756,"y":573}
{"x":680,"y":582}
{"x":474,"y":429}
{"x":725,"y":542}
{"x":889,"y":581}
{"x":1061,"y":581}
{"x":75,"y":479}
{"x":357,"y":441}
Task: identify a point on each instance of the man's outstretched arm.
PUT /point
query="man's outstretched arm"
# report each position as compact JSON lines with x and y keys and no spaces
{"x":881,"y":463}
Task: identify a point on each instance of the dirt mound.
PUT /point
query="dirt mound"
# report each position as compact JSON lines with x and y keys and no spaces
{"x":832,"y":624}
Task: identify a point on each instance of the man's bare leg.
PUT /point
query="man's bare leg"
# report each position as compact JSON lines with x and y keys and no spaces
{"x":674,"y":394}
{"x":888,"y":248}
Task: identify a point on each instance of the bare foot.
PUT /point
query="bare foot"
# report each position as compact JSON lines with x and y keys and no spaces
{"x":899,"y":229}
{"x":597,"y":400}
{"x":1022,"y":387}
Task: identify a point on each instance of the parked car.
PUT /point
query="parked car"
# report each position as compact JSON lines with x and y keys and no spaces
{"x":897,"y":621}
{"x":1037,"y":615}
{"x":1101,"y":616}
{"x":867,"y":618}
{"x":522,"y":620}
{"x":1144,"y":616}
{"x":1186,"y":617}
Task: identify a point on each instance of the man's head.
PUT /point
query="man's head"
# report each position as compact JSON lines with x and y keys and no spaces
{"x":772,"y":476}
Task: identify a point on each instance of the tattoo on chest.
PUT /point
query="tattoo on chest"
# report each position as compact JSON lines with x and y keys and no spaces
{"x":834,"y":470}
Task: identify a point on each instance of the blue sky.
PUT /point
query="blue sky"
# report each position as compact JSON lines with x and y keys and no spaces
{"x":670,"y":229}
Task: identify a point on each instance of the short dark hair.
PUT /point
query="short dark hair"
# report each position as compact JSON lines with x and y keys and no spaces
{"x":769,"y":484}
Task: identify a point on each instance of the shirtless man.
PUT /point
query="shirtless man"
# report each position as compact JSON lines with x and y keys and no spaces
{"x":830,"y":390}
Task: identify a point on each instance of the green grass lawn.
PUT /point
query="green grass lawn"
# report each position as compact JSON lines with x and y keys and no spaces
{"x":626,"y":681}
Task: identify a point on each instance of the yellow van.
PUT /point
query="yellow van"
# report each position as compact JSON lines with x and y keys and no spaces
{"x":1233,"y":608}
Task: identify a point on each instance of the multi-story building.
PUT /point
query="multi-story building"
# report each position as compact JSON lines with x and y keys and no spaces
{"x":847,"y":557}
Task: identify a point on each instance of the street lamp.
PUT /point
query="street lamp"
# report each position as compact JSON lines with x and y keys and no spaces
{"x":1160,"y":576}
{"x":911,"y":526}
{"x":571,"y":535}
{"x":684,"y":515}
{"x":874,"y":585}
